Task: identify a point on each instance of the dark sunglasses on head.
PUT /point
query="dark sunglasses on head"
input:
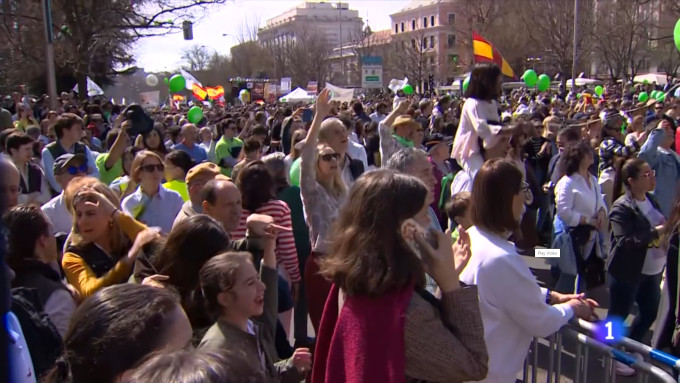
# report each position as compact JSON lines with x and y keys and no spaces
{"x":152,"y":167}
{"x":73,"y":170}
{"x":329,"y":157}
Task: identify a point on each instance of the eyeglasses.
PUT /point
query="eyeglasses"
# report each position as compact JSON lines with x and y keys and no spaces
{"x":651,"y":173}
{"x":73,"y":170}
{"x":152,"y":167}
{"x":329,"y":157}
{"x":525,"y":187}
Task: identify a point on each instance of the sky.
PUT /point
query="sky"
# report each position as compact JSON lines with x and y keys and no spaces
{"x":216,"y":29}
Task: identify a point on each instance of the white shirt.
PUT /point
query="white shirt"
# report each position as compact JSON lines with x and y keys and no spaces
{"x":575,"y":199}
{"x":511,"y":302}
{"x":357,"y":152}
{"x":474,"y":123}
{"x":158,"y":211}
{"x":655,"y":259}
{"x":59,"y":216}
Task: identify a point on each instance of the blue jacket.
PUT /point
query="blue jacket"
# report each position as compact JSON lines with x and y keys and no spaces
{"x":666,"y":164}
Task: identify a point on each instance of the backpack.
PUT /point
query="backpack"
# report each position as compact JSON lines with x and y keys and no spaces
{"x":43,"y":339}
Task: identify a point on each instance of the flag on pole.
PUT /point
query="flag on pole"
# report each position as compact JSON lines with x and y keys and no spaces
{"x":190,"y":79}
{"x":485,"y":52}
{"x":199,"y":92}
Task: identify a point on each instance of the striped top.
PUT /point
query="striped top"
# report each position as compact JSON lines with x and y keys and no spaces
{"x":286,"y":253}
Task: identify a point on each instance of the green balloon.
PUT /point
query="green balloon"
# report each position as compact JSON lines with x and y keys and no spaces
{"x":660,"y":96}
{"x":195,"y":114}
{"x":676,"y":34}
{"x":578,"y":95}
{"x":166,"y":81}
{"x":408,"y":89}
{"x":645,"y":82}
{"x":466,"y":83}
{"x":643,"y":97}
{"x":295,"y":173}
{"x":530,"y":78}
{"x":177,"y":83}
{"x":543,"y":82}
{"x":653,"y":94}
{"x":599,"y":90}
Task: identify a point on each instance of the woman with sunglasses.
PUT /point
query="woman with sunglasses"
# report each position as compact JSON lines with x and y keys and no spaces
{"x":637,"y":258}
{"x":323,"y":192}
{"x":104,"y":243}
{"x":152,"y":203}
{"x":581,"y":214}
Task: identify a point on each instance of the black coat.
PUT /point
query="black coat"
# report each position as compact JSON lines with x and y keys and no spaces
{"x":631,"y":235}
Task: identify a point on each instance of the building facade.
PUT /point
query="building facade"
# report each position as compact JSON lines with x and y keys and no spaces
{"x":334,"y":22}
{"x":429,"y":26}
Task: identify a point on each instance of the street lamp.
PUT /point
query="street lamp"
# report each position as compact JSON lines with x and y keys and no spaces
{"x":49,"y":54}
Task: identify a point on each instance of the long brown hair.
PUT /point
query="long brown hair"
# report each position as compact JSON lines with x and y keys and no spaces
{"x":368,"y":255}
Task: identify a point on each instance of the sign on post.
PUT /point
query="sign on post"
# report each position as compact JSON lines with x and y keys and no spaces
{"x":371,"y":72}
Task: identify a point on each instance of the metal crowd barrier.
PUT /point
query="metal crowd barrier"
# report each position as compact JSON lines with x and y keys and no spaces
{"x":585,"y":344}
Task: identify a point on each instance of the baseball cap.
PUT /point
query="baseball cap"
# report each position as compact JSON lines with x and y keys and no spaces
{"x":63,"y":162}
{"x":204,"y":168}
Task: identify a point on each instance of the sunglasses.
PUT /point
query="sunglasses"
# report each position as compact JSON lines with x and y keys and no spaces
{"x":649,"y":174}
{"x":73,"y":170}
{"x":152,"y":167}
{"x":329,"y":157}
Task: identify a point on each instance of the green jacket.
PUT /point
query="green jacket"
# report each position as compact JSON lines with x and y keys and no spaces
{"x":226,"y":154}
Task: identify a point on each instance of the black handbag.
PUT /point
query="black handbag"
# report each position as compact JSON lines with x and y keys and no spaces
{"x":591,"y":267}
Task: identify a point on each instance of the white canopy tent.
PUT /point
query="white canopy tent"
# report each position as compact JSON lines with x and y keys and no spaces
{"x":658,"y":78}
{"x":585,"y":81}
{"x":298,"y":95}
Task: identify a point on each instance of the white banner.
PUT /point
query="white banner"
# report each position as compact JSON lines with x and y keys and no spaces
{"x":150,"y":99}
{"x":340,"y":94}
{"x":285,"y":85}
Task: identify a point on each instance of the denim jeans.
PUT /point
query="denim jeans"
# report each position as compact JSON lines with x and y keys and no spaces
{"x":645,"y":292}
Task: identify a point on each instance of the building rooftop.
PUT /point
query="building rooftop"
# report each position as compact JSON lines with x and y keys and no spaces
{"x":415,"y":4}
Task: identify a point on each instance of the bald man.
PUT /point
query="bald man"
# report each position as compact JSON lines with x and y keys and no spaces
{"x":9,"y":185}
{"x":189,"y":136}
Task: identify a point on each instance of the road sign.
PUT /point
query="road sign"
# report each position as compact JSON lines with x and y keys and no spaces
{"x":371,"y":72}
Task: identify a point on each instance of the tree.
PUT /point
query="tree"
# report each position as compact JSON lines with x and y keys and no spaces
{"x":197,"y":56}
{"x":550,"y":27}
{"x":95,"y":36}
{"x":622,"y":37}
{"x":418,"y":56}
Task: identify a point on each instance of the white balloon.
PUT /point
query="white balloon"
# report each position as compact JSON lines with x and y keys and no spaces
{"x":151,"y":80}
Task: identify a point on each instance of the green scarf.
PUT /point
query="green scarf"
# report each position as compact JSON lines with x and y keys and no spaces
{"x":403,"y":141}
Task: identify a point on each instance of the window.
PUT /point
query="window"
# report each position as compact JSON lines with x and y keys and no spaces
{"x":414,"y":43}
{"x":424,"y":22}
{"x":452,"y":18}
{"x":396,"y":28}
{"x":402,"y":27}
{"x":432,"y":21}
{"x":451,"y":41}
{"x":424,"y":43}
{"x":431,"y":41}
{"x":413,"y":25}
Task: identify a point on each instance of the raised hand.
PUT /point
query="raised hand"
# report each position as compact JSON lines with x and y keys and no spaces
{"x":323,"y":103}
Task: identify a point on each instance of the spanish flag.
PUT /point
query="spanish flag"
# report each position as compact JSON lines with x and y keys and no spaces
{"x":485,"y":52}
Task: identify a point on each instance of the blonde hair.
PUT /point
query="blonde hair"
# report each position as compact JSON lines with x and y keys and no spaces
{"x":336,"y":187}
{"x":117,"y":238}
{"x":139,"y":160}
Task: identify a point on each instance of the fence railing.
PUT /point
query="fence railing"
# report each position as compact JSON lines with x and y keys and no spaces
{"x":585,"y":344}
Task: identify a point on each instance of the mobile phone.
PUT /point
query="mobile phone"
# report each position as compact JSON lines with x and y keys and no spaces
{"x":307,"y":115}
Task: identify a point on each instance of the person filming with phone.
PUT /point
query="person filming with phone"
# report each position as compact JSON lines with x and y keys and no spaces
{"x":378,"y":307}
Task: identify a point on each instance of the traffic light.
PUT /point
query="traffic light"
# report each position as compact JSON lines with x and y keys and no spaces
{"x":187,"y":28}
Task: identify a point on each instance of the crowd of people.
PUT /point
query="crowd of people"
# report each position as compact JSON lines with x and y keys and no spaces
{"x":142,"y":247}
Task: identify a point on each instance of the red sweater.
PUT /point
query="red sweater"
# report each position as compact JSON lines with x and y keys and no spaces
{"x":365,"y":342}
{"x":286,"y":253}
